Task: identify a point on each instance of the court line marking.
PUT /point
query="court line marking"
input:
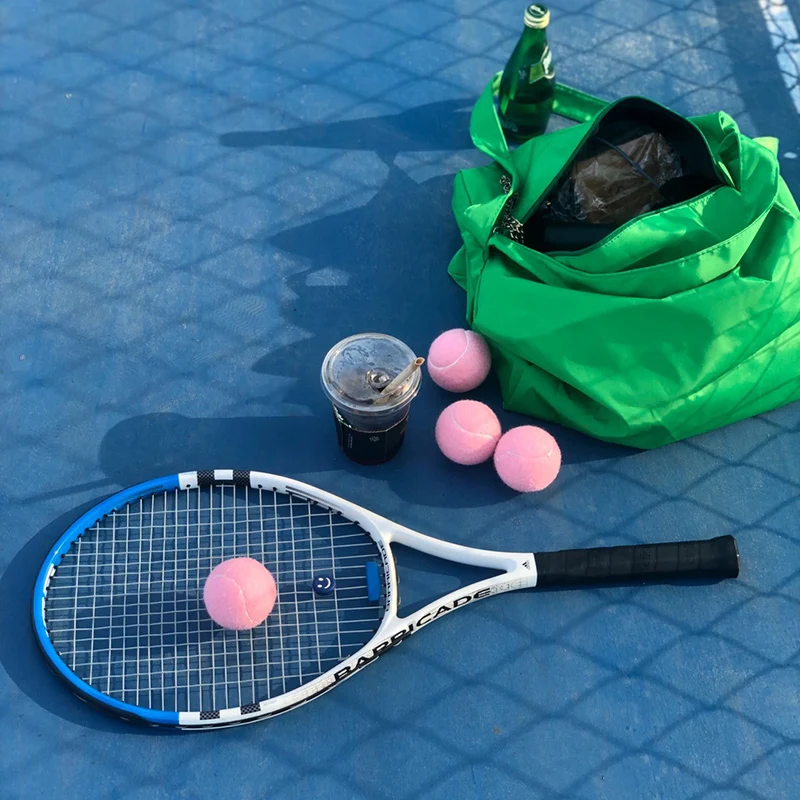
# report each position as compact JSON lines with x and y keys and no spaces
{"x":786,"y":42}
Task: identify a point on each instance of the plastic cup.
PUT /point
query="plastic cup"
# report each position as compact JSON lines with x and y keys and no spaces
{"x":370,"y":426}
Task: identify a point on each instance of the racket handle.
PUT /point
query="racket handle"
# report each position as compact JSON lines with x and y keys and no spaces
{"x":711,"y":558}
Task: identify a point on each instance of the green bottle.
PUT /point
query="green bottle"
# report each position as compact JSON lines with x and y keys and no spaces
{"x":525,"y":99}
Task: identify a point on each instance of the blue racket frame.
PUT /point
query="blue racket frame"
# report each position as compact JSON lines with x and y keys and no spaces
{"x":87,"y":520}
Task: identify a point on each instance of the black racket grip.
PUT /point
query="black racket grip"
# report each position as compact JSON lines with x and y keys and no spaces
{"x":711,"y":558}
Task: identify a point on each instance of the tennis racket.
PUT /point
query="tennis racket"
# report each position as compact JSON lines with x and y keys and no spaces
{"x":118,"y":608}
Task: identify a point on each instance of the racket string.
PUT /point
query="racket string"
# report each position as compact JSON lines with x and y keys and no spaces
{"x":124,"y":608}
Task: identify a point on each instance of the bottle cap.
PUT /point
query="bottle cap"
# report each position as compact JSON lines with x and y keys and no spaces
{"x":537,"y":16}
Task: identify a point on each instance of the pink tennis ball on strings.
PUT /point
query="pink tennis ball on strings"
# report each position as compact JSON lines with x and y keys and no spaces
{"x":467,"y":432}
{"x":459,"y":360}
{"x":239,"y":593}
{"x":527,"y":459}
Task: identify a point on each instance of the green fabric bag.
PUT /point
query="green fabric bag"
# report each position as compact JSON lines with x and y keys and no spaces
{"x":679,"y":322}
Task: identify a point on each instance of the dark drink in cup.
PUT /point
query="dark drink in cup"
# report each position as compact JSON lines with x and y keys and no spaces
{"x":370,"y":408}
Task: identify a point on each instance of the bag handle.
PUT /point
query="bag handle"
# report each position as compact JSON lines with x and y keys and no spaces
{"x":487,"y":133}
{"x":576,"y":105}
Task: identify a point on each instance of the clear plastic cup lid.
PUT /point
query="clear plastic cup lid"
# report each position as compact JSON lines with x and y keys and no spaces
{"x":356,"y":370}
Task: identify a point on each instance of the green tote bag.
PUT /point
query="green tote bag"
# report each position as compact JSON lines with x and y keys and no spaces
{"x":676,"y":322}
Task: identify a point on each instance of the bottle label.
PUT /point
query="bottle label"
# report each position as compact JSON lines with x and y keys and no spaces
{"x":542,"y":69}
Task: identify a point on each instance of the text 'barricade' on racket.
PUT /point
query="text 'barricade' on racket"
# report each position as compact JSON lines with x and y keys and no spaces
{"x":118,"y":607}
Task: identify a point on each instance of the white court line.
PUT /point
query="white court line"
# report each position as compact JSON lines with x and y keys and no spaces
{"x":786,"y":42}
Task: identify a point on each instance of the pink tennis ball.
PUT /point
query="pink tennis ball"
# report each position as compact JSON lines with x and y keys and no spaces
{"x":239,"y":593}
{"x":459,"y":360}
{"x":467,"y":432}
{"x":527,"y":459}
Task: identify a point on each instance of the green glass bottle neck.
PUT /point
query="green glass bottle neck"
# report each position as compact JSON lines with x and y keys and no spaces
{"x":533,"y":38}
{"x":531,"y":51}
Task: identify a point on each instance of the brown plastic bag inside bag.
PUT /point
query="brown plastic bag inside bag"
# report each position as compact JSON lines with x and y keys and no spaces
{"x":619,"y":181}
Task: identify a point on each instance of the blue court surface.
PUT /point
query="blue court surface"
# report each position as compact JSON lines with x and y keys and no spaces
{"x":197,"y":199}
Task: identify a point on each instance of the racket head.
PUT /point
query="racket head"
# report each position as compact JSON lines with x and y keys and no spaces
{"x":118,"y":609}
